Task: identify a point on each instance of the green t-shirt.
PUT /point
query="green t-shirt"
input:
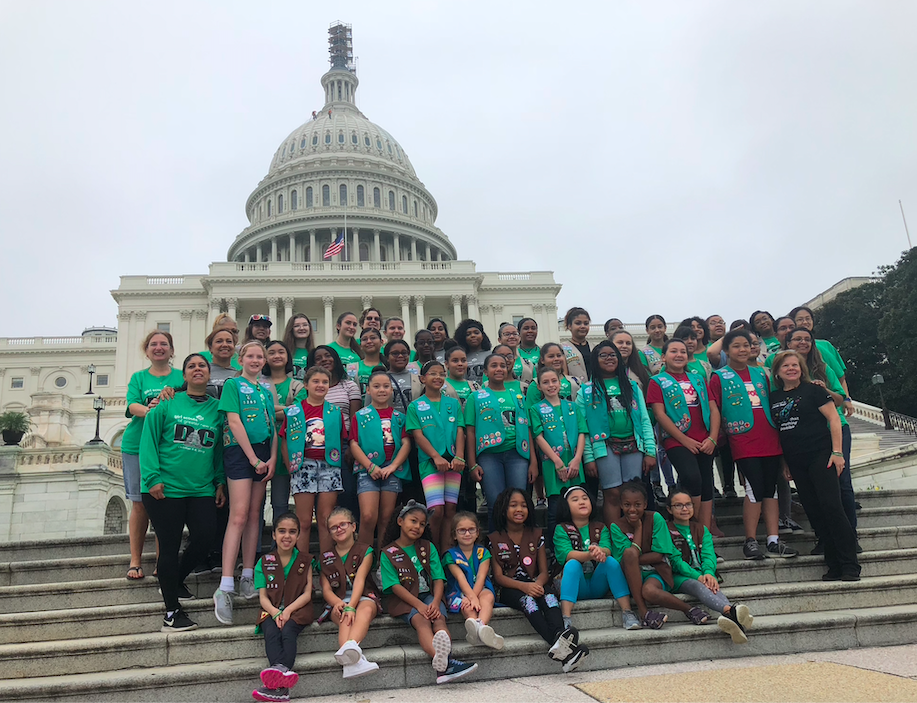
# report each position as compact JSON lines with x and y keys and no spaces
{"x":552,"y":484}
{"x":348,"y":355}
{"x":359,"y":373}
{"x":530,"y":354}
{"x":462,"y":389}
{"x":831,"y":357}
{"x":426,"y":468}
{"x":771,"y":344}
{"x":142,"y":388}
{"x":506,"y":402}
{"x":300,"y":357}
{"x":622,"y":427}
{"x":259,"y":425}
{"x":703,"y":556}
{"x":390,"y":575}
{"x":533,"y":395}
{"x":563,"y":547}
{"x":697,"y":366}
{"x":182,"y":447}
{"x":662,"y":543}
{"x":261,"y":582}
{"x":642,"y":358}
{"x":233,"y":362}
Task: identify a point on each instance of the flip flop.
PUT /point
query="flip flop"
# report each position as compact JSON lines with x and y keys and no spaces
{"x":135,"y":570}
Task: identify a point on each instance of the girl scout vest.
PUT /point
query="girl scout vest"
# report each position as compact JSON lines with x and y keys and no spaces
{"x":676,"y":406}
{"x":296,"y":434}
{"x":575,"y":363}
{"x":439,"y":427}
{"x":371,"y":439}
{"x":469,"y":569}
{"x":256,"y":410}
{"x":646,"y":545}
{"x":576,"y":539}
{"x":558,"y":422}
{"x":338,"y":572}
{"x":407,"y":574}
{"x":653,"y":359}
{"x":738,"y":415}
{"x":488,"y":423}
{"x":597,"y":415}
{"x":286,"y":590}
{"x":503,"y":549}
{"x":688,"y":555}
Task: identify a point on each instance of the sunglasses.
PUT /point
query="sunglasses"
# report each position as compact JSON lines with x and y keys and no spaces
{"x":259,"y":318}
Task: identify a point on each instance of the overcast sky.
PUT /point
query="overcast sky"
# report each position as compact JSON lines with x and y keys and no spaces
{"x":679,"y":158}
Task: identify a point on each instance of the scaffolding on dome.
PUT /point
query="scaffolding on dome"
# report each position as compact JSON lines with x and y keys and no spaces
{"x":340,"y":45}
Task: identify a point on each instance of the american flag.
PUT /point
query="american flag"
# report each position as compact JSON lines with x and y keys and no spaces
{"x":336,"y":247}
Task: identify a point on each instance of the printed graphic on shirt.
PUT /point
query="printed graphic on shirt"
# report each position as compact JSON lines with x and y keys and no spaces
{"x":315,"y":433}
{"x":387,"y":438}
{"x":785,"y":415}
{"x":508,"y":414}
{"x":188,"y":432}
{"x":753,"y":395}
{"x":614,"y":405}
{"x":690,"y":393}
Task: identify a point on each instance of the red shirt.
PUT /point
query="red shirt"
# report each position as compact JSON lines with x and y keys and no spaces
{"x":315,"y":431}
{"x":698,"y":431}
{"x":385,"y":416}
{"x":761,"y":439}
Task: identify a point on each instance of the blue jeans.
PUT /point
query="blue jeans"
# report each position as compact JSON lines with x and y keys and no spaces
{"x":847,"y":498}
{"x":502,"y":470}
{"x":606,"y":577}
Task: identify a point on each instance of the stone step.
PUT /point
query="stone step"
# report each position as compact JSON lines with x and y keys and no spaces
{"x":404,"y":666}
{"x":871,"y":539}
{"x":866,"y":499}
{"x":71,"y":548}
{"x":65,"y":657}
{"x":894,"y":516}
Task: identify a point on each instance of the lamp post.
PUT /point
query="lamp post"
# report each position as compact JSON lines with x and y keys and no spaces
{"x":92,"y":370}
{"x":878,"y":380}
{"x":98,"y":404}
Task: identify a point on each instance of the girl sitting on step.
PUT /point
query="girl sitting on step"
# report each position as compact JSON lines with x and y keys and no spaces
{"x":698,"y":577}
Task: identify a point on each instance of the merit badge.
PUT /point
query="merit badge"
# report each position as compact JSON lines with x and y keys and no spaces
{"x":335,"y":455}
{"x":248,"y":390}
{"x":527,"y":561}
{"x":270,"y":577}
{"x":293,"y":410}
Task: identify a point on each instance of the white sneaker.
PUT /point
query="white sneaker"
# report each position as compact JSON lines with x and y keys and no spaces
{"x":442,"y":645}
{"x":471,"y":631}
{"x":488,"y":637}
{"x":349,"y":653}
{"x":362,"y":667}
{"x":247,"y":588}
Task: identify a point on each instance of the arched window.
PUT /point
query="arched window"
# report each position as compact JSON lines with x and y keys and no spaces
{"x":377,"y":198}
{"x":309,"y":196}
{"x":361,"y":197}
{"x":415,"y":207}
{"x":314,"y":139}
{"x":404,"y":204}
{"x":366,"y":140}
{"x":389,"y":148}
{"x":343,"y":195}
{"x":326,"y":196}
{"x":294,"y":200}
{"x":327,"y":137}
{"x":353,"y":139}
{"x":269,"y":204}
{"x":391,"y":202}
{"x":340,"y":137}
{"x":302,"y":144}
{"x":280,"y":204}
{"x":364,"y":251}
{"x":378,"y":144}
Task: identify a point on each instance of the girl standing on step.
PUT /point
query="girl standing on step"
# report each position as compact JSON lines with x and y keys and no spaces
{"x":523,"y":367}
{"x":457,"y":385}
{"x":413,"y":580}
{"x":371,"y":345}
{"x":143,"y":394}
{"x":423,"y":348}
{"x":440,"y":334}
{"x":697,"y":578}
{"x":300,"y":341}
{"x":350,"y":595}
{"x":345,"y":344}
{"x":182,"y":483}
{"x":249,"y":458}
{"x":552,"y":356}
{"x":278,"y":375}
{"x":469,"y":590}
{"x":471,"y":337}
{"x":655,"y":339}
{"x":284,"y":582}
{"x":582,"y":546}
{"x":405,"y":378}
{"x":576,"y":349}
{"x":636,"y":369}
{"x":511,"y":382}
{"x":380,"y":449}
{"x":528,"y":336}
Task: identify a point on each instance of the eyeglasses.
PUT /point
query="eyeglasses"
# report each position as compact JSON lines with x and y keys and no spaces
{"x":510,"y":334}
{"x":400,"y":352}
{"x":340,"y":527}
{"x":606,"y":357}
{"x":682,"y":506}
{"x":466,"y":530}
{"x":301,"y":328}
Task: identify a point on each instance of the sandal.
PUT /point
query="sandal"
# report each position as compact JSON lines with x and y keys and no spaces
{"x":654,"y":620}
{"x":697,"y":616}
{"x":135,"y":570}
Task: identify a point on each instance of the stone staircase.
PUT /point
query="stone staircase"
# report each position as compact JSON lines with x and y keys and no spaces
{"x":72,"y":627}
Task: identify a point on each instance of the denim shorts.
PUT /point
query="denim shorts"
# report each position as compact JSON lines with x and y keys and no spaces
{"x":427,"y":598}
{"x":316,"y":476}
{"x":130,"y":469}
{"x":366,"y":484}
{"x":237,"y":466}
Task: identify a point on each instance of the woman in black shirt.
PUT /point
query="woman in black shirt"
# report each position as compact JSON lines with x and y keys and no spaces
{"x":810,"y":435}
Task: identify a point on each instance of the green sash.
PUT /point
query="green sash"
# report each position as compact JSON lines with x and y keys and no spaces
{"x":256,"y":410}
{"x":736,"y":406}
{"x":296,"y":434}
{"x":556,"y":427}
{"x":440,"y":428}
{"x":488,"y":423}
{"x":597,"y":415}
{"x":372,"y":441}
{"x":676,"y":405}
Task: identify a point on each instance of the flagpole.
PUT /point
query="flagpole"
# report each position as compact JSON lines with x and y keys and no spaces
{"x":344,"y":258}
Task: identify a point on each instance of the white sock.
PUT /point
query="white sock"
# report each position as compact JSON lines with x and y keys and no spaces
{"x":169,"y":614}
{"x":227,"y":584}
{"x":771,"y":539}
{"x":248,"y":573}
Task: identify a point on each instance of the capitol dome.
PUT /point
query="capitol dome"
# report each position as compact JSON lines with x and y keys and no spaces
{"x":340,"y":164}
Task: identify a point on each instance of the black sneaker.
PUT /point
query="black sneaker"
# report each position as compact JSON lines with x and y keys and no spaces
{"x":184,"y":594}
{"x":179,"y":622}
{"x":818,"y":549}
{"x":658,"y":493}
{"x":580,"y":652}
{"x":831,"y":576}
{"x":752,"y":550}
{"x":780,"y":549}
{"x":564,"y":645}
{"x":859,"y":548}
{"x":731,"y":492}
{"x":456,"y":670}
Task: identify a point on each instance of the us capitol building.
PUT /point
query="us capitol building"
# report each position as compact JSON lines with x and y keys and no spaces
{"x":338,"y":171}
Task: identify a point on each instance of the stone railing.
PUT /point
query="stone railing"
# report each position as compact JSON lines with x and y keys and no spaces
{"x":340,"y":268}
{"x":874,"y":415}
{"x":17,"y":342}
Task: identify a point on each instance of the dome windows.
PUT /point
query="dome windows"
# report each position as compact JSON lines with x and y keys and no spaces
{"x":391,"y":201}
{"x":270,"y":205}
{"x":280,"y":204}
{"x":388,"y":144}
{"x":404,"y":204}
{"x":309,"y":196}
{"x":361,"y":197}
{"x":342,"y":192}
{"x":302,"y":144}
{"x":353,"y":139}
{"x":415,"y":207}
{"x":294,"y":200}
{"x":378,"y":144}
{"x":327,"y":137}
{"x":398,"y":149}
{"x":340,"y":137}
{"x":314,"y":140}
{"x":366,"y":141}
{"x":326,"y":196}
{"x":377,"y":197}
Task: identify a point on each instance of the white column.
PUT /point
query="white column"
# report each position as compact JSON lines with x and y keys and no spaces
{"x":328,"y":302}
{"x":421,"y":317}
{"x":292,"y":247}
{"x":406,"y":315}
{"x":184,"y":341}
{"x":551,"y":318}
{"x":366,"y":301}
{"x":287,"y":313}
{"x":214,"y":311}
{"x":413,"y":249}
{"x":258,"y":253}
{"x":456,"y":310}
{"x":472,"y":306}
{"x":312,"y":245}
{"x":397,"y":249}
{"x":377,"y":250}
{"x":356,"y":245}
{"x":487,"y":319}
{"x":428,"y":253}
{"x":231,"y":307}
{"x":273,"y":249}
{"x":199,"y":331}
{"x":121,"y":351}
{"x":248,"y":256}
{"x":272,"y":312}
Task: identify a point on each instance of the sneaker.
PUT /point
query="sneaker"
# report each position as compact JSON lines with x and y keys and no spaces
{"x":348,"y":654}
{"x":793,"y":525}
{"x":442,"y":646}
{"x":716,"y":493}
{"x":271,"y":695}
{"x":564,"y":644}
{"x":658,"y":493}
{"x":222,"y":606}
{"x":471,"y":631}
{"x":780,"y":549}
{"x":631,"y":621}
{"x":732,"y":627}
{"x":179,"y":622}
{"x":247,"y":588}
{"x":278,"y":676}
{"x":488,"y":637}
{"x":752,"y":550}
{"x":783,"y":527}
{"x":819,"y":548}
{"x":850,"y":577}
{"x":184,"y":594}
{"x":731,"y":492}
{"x":362,"y":667}
{"x":743,"y":615}
{"x":720,"y":559}
{"x":580,"y":652}
{"x":541,"y":503}
{"x":830,"y":575}
{"x":859,"y":548}
{"x":455,"y":669}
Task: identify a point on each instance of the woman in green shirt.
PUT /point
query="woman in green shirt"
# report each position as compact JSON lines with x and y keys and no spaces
{"x":523,"y":367}
{"x":655,"y":338}
{"x":762,"y":324}
{"x":182,"y":482}
{"x":223,"y":322}
{"x":528,"y":335}
{"x":345,"y":344}
{"x":300,"y":341}
{"x":143,"y":394}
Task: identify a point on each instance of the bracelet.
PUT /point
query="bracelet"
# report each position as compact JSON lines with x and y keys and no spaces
{"x":274,"y":617}
{"x":256,"y":464}
{"x":840,"y":454}
{"x":848,"y":399}
{"x":349,"y":609}
{"x":372,"y":469}
{"x":476,"y":466}
{"x":459,"y":459}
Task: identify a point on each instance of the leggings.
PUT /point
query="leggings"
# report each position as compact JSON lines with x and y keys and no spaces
{"x":169,"y":517}
{"x":715,"y":601}
{"x":607,"y":577}
{"x":695,"y":472}
{"x":280,"y":644}
{"x":280,"y":494}
{"x":542,"y":613}
{"x":847,"y":497}
{"x":663,"y":463}
{"x":784,"y":496}
{"x":727,"y":467}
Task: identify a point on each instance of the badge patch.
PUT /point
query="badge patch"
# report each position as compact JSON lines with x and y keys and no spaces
{"x":527,"y":561}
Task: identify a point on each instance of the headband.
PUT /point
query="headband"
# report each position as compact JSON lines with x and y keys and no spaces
{"x":413,"y":505}
{"x":574,"y":488}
